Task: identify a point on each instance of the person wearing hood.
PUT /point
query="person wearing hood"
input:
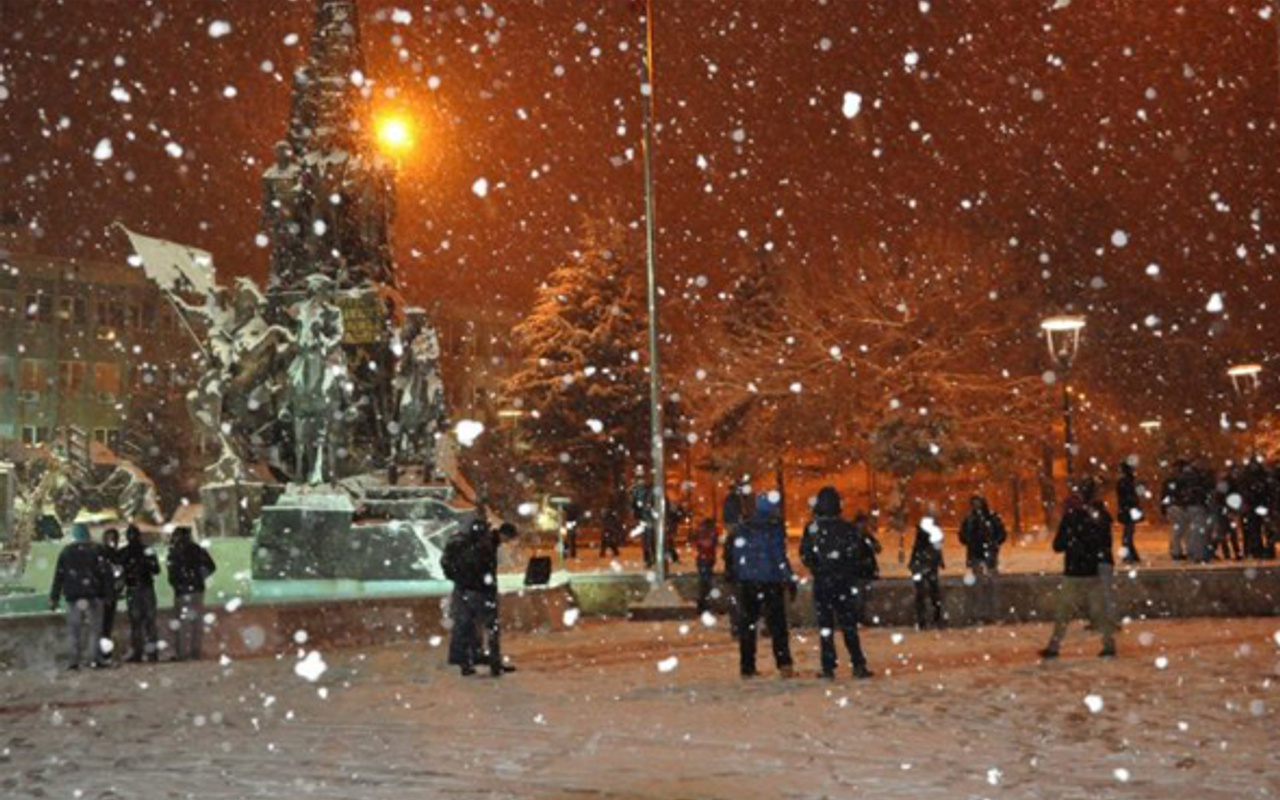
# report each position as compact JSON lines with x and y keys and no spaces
{"x":982,"y":533}
{"x":926,"y":563}
{"x":82,"y":578}
{"x":1084,"y":539}
{"x":840,"y":558}
{"x":758,"y":555}
{"x":140,"y":567}
{"x":190,"y":565}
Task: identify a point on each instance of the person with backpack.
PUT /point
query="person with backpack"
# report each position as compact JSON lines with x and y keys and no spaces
{"x":190,"y":565}
{"x":140,"y":566}
{"x":926,"y":563}
{"x":757,"y":554}
{"x":982,"y":533}
{"x":1084,"y":539}
{"x":470,"y":561}
{"x":82,"y":577}
{"x":840,"y":558}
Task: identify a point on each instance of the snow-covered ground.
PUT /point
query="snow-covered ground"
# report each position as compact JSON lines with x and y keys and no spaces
{"x":630,"y":710}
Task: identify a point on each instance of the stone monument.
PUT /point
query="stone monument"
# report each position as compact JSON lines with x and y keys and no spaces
{"x":320,"y":388}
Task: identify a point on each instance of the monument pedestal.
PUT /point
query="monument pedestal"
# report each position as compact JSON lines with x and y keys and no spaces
{"x":305,"y":535}
{"x":230,"y":508}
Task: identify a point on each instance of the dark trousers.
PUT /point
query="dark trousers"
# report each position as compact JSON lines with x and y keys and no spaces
{"x":1252,"y":524}
{"x":142,"y":622}
{"x":839,"y":608}
{"x":706,"y":574}
{"x":609,"y":541}
{"x":108,"y":625}
{"x":928,"y":593}
{"x":755,"y":600}
{"x":650,"y":537}
{"x":1228,"y":539}
{"x":474,"y":611}
{"x":1126,"y":539}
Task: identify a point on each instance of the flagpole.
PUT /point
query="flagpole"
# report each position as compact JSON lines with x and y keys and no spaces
{"x":658,"y":473}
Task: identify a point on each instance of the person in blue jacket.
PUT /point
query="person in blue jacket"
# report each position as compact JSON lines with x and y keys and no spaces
{"x":758,"y":555}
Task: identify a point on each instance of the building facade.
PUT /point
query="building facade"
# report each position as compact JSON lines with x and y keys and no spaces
{"x":76,"y":338}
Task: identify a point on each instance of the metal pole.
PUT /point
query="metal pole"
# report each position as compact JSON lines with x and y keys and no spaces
{"x":1070,"y":431}
{"x":655,"y":377}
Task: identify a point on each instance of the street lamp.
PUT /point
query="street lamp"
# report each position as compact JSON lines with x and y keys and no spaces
{"x":1150,"y":426}
{"x":394,"y":133}
{"x":1062,"y":333}
{"x":1245,"y":380}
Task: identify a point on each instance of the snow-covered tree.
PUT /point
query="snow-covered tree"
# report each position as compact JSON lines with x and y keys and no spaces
{"x":583,"y":386}
{"x":837,"y":359}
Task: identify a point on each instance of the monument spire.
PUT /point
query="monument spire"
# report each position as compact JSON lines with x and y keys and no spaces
{"x":329,"y":196}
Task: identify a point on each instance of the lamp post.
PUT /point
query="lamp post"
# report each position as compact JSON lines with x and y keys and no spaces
{"x":662,"y":599}
{"x":1245,"y":380}
{"x":1062,"y":333}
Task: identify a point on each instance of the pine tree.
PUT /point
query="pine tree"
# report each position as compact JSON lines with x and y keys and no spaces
{"x":583,"y":385}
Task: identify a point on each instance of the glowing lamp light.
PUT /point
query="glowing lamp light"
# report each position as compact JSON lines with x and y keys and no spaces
{"x":395,"y":134}
{"x":1244,"y":377}
{"x":1062,"y":333}
{"x":1150,"y":425}
{"x":1062,"y":324}
{"x":1244,"y":370}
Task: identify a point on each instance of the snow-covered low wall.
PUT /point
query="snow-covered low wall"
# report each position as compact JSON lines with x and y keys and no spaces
{"x":1191,"y":592}
{"x":266,"y":629}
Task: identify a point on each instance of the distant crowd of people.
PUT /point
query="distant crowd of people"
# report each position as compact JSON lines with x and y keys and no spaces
{"x":91,"y":578}
{"x":1233,"y":515}
{"x":1227,"y":514}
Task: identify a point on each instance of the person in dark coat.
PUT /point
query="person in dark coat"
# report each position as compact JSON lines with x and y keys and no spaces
{"x":1084,"y":539}
{"x":1129,"y":507}
{"x":1253,"y":493}
{"x":705,"y":541}
{"x":840,"y":558}
{"x":926,"y":563}
{"x":139,"y":566}
{"x":610,"y":531}
{"x":115,"y":591}
{"x":190,"y":565}
{"x":757,"y":554}
{"x":470,"y":561}
{"x":81,"y":577}
{"x":982,"y":533}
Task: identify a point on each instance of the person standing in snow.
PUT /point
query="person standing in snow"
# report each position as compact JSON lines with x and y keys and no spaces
{"x":190,"y":565}
{"x":1084,"y":539}
{"x":140,"y":566}
{"x":757,"y":554}
{"x":705,"y":541}
{"x":470,"y":561}
{"x":1129,"y":507}
{"x":982,"y":533}
{"x":610,"y":530}
{"x":115,"y":588}
{"x":926,"y":563}
{"x":840,"y":558}
{"x":81,"y":578}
